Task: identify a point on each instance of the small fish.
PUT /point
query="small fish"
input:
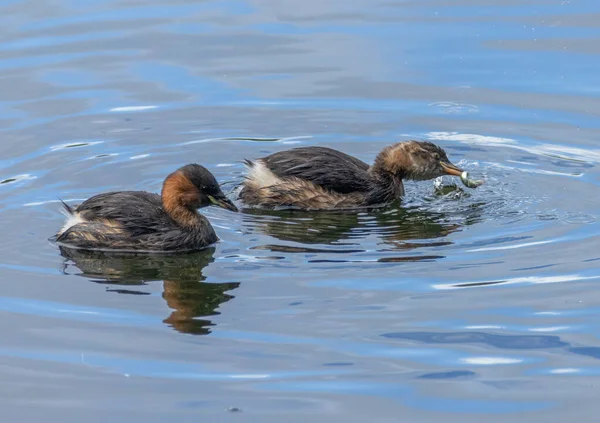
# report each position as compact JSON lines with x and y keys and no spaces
{"x":471,"y":183}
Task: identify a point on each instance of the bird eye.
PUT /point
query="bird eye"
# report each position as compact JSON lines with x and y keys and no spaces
{"x":436,"y":156}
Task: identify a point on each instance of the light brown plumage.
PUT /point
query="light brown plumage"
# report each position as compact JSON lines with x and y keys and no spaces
{"x":324,"y":178}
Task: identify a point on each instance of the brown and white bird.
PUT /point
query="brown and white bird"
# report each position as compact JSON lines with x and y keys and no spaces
{"x":317,"y":178}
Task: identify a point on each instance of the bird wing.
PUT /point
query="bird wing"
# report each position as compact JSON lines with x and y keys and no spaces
{"x":326,"y":167}
{"x":140,"y":212}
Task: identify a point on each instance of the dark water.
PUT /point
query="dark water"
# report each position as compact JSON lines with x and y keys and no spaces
{"x":467,"y":306}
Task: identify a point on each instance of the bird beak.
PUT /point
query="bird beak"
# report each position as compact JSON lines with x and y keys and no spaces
{"x":451,"y":169}
{"x":223,"y":202}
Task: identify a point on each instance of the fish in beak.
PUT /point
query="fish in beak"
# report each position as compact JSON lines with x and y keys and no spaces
{"x":453,"y":170}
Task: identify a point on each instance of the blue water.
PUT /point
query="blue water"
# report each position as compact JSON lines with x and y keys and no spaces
{"x":461,"y":306}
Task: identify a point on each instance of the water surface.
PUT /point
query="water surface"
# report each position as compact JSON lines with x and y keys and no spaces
{"x":462,"y":306}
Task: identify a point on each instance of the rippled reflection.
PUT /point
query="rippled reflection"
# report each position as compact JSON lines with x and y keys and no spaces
{"x":396,"y":228}
{"x":184,"y":288}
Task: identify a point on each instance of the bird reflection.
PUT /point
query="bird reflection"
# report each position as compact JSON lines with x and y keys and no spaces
{"x":184,"y":289}
{"x":396,"y":227}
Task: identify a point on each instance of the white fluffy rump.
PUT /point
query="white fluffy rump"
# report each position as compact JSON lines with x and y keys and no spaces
{"x":72,"y":220}
{"x":260,"y":176}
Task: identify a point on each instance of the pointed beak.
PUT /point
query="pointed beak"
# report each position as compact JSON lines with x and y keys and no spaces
{"x":223,"y":202}
{"x":451,"y":169}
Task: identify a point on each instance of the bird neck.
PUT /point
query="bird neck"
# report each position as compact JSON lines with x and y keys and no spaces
{"x":387,"y":186}
{"x":176,"y":197}
{"x":393,"y":162}
{"x":184,"y":216}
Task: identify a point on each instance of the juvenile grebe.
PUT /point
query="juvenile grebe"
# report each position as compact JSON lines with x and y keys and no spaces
{"x":143,"y":221}
{"x":324,"y":178}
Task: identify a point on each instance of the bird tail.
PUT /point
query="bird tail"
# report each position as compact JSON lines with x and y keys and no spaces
{"x":68,"y":210}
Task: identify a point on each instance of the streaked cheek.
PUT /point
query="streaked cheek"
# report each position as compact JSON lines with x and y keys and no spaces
{"x":423,"y":171}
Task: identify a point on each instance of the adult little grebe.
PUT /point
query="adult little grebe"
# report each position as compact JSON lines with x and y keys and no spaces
{"x":143,"y":221}
{"x":323,"y":178}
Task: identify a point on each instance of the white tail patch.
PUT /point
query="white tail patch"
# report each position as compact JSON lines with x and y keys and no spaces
{"x":72,"y":220}
{"x":260,"y":176}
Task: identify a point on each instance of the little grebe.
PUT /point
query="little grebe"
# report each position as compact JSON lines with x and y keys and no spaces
{"x":146,"y":222}
{"x":324,"y":178}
